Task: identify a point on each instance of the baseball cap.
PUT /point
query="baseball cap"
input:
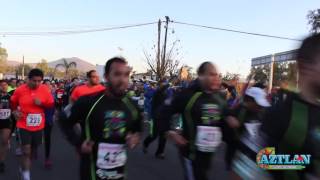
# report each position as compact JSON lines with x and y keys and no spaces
{"x":259,"y":95}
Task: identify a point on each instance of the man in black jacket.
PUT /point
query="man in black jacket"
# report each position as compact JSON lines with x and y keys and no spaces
{"x":110,"y":124}
{"x":158,"y":100}
{"x":203,"y":112}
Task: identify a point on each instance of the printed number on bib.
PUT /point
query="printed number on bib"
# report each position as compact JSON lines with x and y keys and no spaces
{"x":34,"y":120}
{"x":5,"y":114}
{"x":252,"y":128}
{"x":141,"y":102}
{"x":208,"y":138}
{"x":111,"y":156}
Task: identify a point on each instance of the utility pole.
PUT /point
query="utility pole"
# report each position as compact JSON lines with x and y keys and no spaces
{"x":23,"y":67}
{"x":158,"y":51}
{"x":297,"y":80}
{"x":271,"y":73}
{"x":165,"y":44}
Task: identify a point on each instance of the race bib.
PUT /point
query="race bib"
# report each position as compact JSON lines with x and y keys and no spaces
{"x":5,"y":114}
{"x":111,"y":156}
{"x":59,"y":95}
{"x":141,"y":102}
{"x":208,"y":138}
{"x":34,"y":120}
{"x":252,"y":128}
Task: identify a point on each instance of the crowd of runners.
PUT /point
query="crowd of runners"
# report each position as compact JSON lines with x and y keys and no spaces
{"x":104,"y":120}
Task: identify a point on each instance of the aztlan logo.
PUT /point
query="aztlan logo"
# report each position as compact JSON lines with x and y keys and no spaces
{"x":268,"y":159}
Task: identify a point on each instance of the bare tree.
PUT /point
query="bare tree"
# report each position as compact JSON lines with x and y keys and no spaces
{"x":314,"y":20}
{"x":163,"y":61}
{"x":169,"y":66}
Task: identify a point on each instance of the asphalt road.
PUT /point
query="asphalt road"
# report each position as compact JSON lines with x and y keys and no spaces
{"x":140,"y":166}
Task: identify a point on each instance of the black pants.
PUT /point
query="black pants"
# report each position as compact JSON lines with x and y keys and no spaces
{"x":153,"y":136}
{"x":33,"y":138}
{"x":47,"y":139}
{"x":198,"y":168}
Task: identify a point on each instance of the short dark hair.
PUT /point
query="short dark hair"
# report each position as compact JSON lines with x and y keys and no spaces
{"x":260,"y":85}
{"x":247,"y":98}
{"x":3,"y":81}
{"x":35,"y":72}
{"x":203,"y":67}
{"x":90,"y":73}
{"x":107,"y":68}
{"x":309,"y":50}
{"x":20,"y":80}
{"x":46,"y":80}
{"x":225,"y":85}
{"x":12,"y":79}
{"x":73,"y":79}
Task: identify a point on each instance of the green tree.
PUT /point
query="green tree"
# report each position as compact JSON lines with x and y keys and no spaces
{"x":11,"y":69}
{"x":292,"y":72}
{"x":56,"y":73}
{"x":230,"y":77}
{"x":73,"y":72}
{"x":282,"y":72}
{"x":314,"y":20}
{"x":3,"y":60}
{"x":43,"y":65}
{"x":261,"y":73}
{"x":66,"y":66}
{"x":27,"y":69}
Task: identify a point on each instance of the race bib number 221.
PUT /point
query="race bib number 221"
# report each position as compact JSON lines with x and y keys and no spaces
{"x":34,"y":120}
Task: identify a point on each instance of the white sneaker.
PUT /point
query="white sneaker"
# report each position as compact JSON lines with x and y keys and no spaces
{"x":24,"y":175}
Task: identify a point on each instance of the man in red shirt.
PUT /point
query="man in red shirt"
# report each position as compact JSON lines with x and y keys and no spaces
{"x":91,"y":87}
{"x":60,"y":93}
{"x":32,"y":99}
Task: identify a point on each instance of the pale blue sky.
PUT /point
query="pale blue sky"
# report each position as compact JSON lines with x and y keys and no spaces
{"x":231,"y":52}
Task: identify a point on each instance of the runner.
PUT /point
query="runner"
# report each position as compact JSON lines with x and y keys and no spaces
{"x":5,"y":122}
{"x":32,"y":98}
{"x":293,"y":125}
{"x":18,"y":152}
{"x":12,"y":85}
{"x":49,"y":115}
{"x":69,"y":88}
{"x":250,"y":114}
{"x":93,"y":85}
{"x":157,"y":101}
{"x":20,"y":82}
{"x":203,"y":112}
{"x":60,"y":96}
{"x":109,"y":121}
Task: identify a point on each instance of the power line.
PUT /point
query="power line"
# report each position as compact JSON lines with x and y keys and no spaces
{"x":236,"y":31}
{"x":69,"y":32}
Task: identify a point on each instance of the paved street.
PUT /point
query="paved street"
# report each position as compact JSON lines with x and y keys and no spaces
{"x":141,"y":167}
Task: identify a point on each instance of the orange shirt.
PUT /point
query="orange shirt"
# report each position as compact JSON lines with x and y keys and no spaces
{"x":33,"y":118}
{"x":84,"y":90}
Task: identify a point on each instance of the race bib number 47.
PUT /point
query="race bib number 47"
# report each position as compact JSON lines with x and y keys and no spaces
{"x":111,"y":156}
{"x":5,"y":114}
{"x":208,"y":138}
{"x":34,"y":120}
